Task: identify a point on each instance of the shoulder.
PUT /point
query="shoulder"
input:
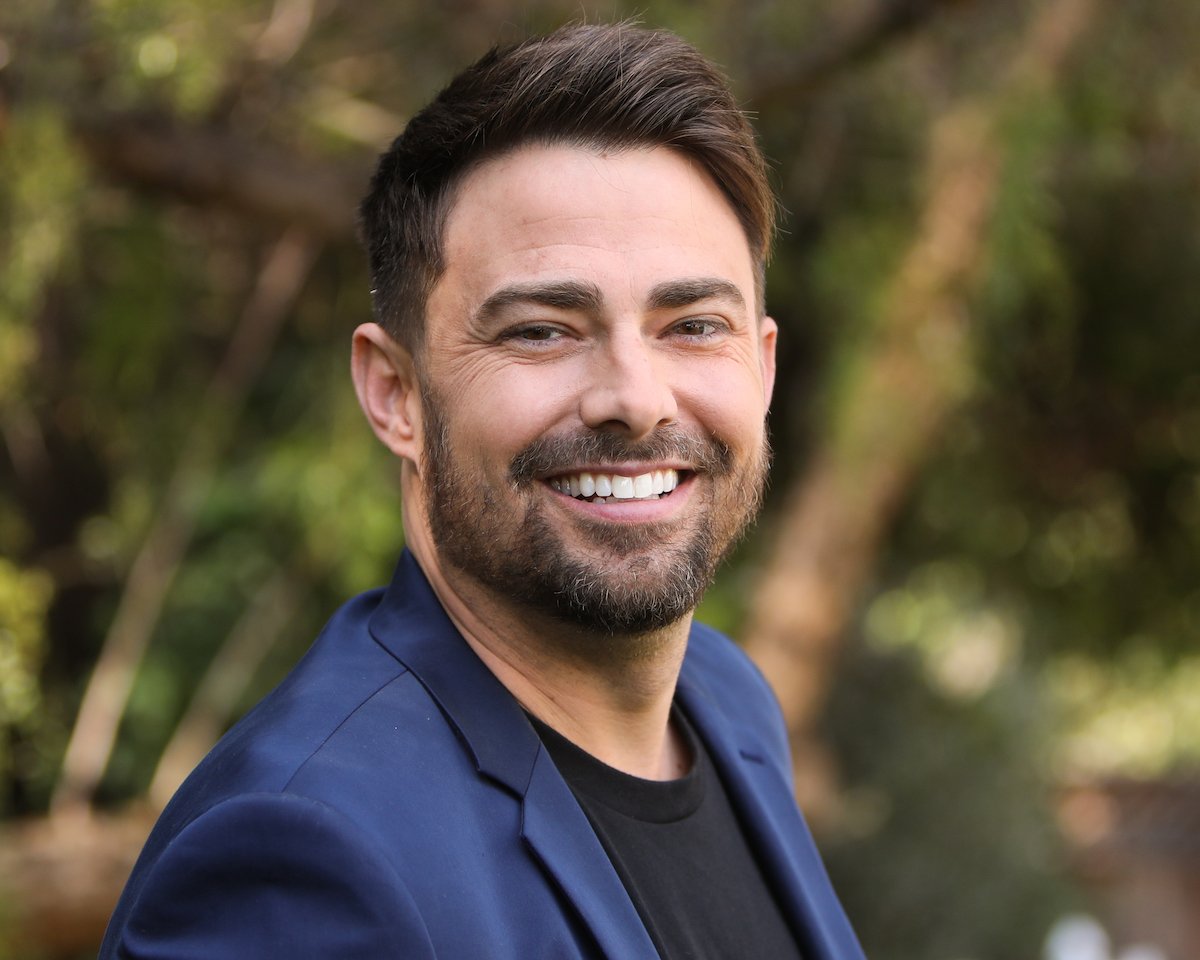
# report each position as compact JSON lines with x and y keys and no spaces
{"x":348,"y":721}
{"x":269,"y":874}
{"x":283,"y":815}
{"x":340,"y":676}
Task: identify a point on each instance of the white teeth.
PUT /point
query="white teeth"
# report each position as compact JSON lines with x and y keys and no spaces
{"x":610,"y":487}
{"x":622,"y":487}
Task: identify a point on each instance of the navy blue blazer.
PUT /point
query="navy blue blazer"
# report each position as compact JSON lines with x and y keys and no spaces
{"x":390,"y":799}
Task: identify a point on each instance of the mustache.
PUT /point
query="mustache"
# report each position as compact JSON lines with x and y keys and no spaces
{"x":548,"y":455}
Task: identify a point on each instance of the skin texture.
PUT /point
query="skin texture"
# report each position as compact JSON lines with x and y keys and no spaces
{"x":596,"y":312}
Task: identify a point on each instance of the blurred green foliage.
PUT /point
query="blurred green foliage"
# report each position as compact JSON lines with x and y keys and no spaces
{"x":24,"y":598}
{"x":1033,"y":615}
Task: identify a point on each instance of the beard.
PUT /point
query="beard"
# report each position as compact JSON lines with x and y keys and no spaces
{"x":615,"y":579}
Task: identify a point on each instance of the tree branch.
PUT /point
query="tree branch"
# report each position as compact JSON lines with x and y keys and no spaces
{"x":224,"y":682}
{"x":215,"y":166}
{"x":856,"y":41}
{"x":162,"y":551}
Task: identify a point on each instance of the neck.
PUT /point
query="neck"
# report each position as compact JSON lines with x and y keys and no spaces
{"x":609,"y":694}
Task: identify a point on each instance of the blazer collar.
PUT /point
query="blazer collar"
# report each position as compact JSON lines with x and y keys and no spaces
{"x":774,"y":827}
{"x":411,"y":624}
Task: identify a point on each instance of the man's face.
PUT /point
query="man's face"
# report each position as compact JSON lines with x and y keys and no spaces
{"x":594,"y":385}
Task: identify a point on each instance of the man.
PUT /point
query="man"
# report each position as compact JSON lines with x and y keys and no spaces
{"x":525,"y":748}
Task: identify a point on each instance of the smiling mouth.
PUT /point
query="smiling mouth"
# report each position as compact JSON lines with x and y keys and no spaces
{"x":616,"y":487}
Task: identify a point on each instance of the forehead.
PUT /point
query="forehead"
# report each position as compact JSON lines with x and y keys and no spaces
{"x":622,"y":220}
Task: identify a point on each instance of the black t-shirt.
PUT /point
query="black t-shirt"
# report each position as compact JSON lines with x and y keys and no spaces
{"x":680,"y":851}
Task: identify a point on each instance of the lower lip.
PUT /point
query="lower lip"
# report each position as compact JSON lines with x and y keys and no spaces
{"x":630,"y":511}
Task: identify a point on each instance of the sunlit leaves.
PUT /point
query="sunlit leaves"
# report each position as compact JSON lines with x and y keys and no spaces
{"x":1137,"y":715}
{"x":24,"y":598}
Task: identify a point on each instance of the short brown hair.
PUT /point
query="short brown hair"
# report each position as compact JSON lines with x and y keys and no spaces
{"x":606,"y":87}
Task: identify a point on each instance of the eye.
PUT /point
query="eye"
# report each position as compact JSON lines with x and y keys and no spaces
{"x":535,"y":333}
{"x":697,"y":327}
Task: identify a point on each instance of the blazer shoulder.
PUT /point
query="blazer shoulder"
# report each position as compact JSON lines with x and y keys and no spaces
{"x":342,"y":671}
{"x":325,"y":886}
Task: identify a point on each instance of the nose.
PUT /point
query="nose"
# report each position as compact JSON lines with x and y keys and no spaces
{"x":627,"y":390}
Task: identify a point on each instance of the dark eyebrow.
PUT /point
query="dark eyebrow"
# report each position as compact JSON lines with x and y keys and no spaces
{"x":561,"y":295}
{"x":683,"y":293}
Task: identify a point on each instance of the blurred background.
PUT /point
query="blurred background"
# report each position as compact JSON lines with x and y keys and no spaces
{"x":976,"y":587}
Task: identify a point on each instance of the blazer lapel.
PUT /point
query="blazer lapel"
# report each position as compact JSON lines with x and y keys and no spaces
{"x":774,"y":828}
{"x":561,"y":837}
{"x":412,"y":625}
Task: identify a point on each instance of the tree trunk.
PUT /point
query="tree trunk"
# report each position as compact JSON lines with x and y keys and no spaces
{"x":914,"y":371}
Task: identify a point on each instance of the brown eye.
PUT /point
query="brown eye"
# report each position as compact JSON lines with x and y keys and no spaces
{"x":539,"y":333}
{"x":697,"y":327}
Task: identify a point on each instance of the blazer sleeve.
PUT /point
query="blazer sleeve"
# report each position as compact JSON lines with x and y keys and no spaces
{"x":272,"y":875}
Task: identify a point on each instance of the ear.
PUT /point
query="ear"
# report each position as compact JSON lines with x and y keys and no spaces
{"x":386,"y":383}
{"x":767,"y":331}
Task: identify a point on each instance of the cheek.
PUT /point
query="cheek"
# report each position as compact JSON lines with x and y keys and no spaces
{"x":729,"y":406}
{"x":501,"y":415}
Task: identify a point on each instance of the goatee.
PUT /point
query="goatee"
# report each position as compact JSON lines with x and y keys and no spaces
{"x":615,"y":578}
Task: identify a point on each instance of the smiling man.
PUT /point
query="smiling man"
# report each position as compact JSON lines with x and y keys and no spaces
{"x":525,"y":747}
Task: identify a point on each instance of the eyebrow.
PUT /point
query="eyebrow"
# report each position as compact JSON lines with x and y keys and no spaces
{"x":559,"y":295}
{"x":683,"y":293}
{"x":587,"y":298}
